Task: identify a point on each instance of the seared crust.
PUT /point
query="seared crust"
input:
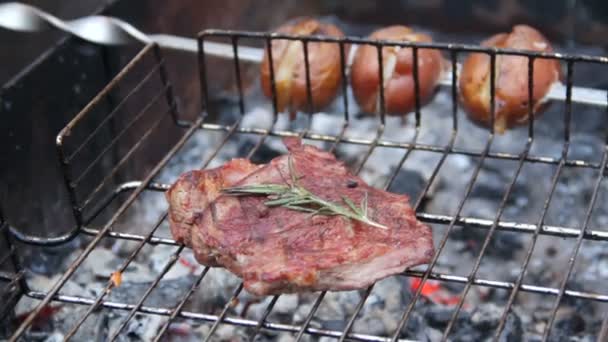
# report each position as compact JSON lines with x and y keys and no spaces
{"x":511,"y":101}
{"x":194,"y":190}
{"x":399,"y":93}
{"x":278,"y":250}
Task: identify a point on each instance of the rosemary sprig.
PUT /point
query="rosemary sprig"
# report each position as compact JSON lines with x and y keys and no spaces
{"x":295,"y":197}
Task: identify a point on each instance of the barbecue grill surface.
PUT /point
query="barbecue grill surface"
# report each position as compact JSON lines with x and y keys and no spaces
{"x":140,"y":105}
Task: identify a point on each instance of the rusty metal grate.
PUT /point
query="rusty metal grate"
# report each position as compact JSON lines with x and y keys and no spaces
{"x":89,"y":204}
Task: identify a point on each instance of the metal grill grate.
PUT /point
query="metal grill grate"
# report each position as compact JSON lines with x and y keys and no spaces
{"x":89,"y":204}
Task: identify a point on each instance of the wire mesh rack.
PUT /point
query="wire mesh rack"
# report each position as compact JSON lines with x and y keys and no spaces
{"x":89,"y":205}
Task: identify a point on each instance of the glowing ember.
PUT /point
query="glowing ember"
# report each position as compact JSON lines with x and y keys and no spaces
{"x":116,"y":278}
{"x":433,"y":291}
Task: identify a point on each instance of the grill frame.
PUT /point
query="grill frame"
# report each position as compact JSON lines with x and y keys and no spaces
{"x":135,"y":188}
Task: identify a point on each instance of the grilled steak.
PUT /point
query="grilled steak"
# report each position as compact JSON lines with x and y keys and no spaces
{"x":280,"y":250}
{"x":194,"y":190}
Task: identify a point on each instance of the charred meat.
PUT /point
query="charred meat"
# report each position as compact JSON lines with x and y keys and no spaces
{"x":313,"y":230}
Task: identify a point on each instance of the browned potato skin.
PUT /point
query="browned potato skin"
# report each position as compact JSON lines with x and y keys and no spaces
{"x":324,"y":66}
{"x":511,"y":99}
{"x":399,"y":94}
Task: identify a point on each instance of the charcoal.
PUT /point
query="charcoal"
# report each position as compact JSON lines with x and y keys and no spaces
{"x":166,"y":294}
{"x":487,"y":317}
{"x":333,"y":324}
{"x":438,"y":316}
{"x":415,"y":327}
{"x":262,"y":155}
{"x":409,"y":182}
{"x":502,"y":244}
{"x":568,"y":323}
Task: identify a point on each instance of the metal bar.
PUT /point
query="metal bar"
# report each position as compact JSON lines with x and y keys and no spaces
{"x":371,"y":148}
{"x":176,"y":311}
{"x":8,"y":256}
{"x":238,"y":290}
{"x":205,"y":164}
{"x":115,"y":109}
{"x":273,"y":85}
{"x":313,"y":331}
{"x":105,"y":91}
{"x":240,"y":287}
{"x":491,"y":225}
{"x":311,"y":108}
{"x":123,"y":160}
{"x":237,"y":73}
{"x":435,"y":173}
{"x":530,"y":97}
{"x":111,"y":144}
{"x":13,"y":279}
{"x":486,"y":242}
{"x":202,"y":74}
{"x":351,"y":321}
{"x":303,"y":134}
{"x":339,"y":137}
{"x":164,"y":78}
{"x":110,"y":284}
{"x":368,"y":291}
{"x":518,"y":227}
{"x":520,"y":277}
{"x":172,"y":259}
{"x":439,"y":276}
{"x":579,"y":242}
{"x":582,"y":95}
{"x":444,"y":240}
{"x":415,"y":73}
{"x":344,"y":98}
{"x":311,"y":314}
{"x":492,"y":91}
{"x":304,"y":328}
{"x":353,"y":317}
{"x":344,"y":79}
{"x":409,"y":44}
{"x":155,"y":240}
{"x":406,"y":155}
{"x":263,"y":318}
{"x":568,"y":115}
{"x":15,"y":262}
{"x":65,"y":132}
{"x":382,"y":109}
{"x":603,"y":334}
{"x":10,"y":294}
{"x":176,"y":254}
{"x":222,"y":315}
{"x":63,"y":279}
{"x":595,"y":235}
{"x":207,"y":318}
{"x":395,"y":144}
{"x":599,"y":297}
{"x":112,"y":31}
{"x":454,"y":88}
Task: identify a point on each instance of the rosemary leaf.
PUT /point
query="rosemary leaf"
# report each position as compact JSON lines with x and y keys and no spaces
{"x":295,"y":197}
{"x":304,"y":209}
{"x":351,"y":205}
{"x":302,"y":202}
{"x":278,"y":202}
{"x":292,"y":171}
{"x":261,"y":189}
